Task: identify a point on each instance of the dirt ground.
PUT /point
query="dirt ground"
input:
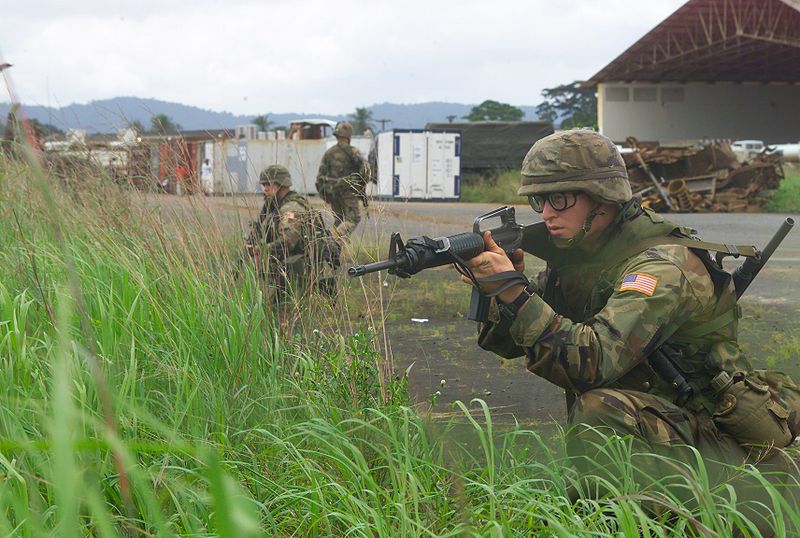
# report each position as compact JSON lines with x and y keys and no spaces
{"x":441,"y":354}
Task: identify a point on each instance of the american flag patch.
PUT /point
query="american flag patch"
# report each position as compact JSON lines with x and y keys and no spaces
{"x":639,"y":282}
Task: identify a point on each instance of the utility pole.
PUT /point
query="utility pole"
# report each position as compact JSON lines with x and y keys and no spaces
{"x":383,"y":123}
{"x":451,"y":118}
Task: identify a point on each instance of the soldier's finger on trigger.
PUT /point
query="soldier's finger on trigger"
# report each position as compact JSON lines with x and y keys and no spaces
{"x":489,"y":242}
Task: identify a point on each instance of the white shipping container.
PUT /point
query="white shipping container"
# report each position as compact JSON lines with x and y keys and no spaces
{"x":385,"y":143}
{"x":444,"y":165}
{"x":411,"y":165}
{"x":419,"y":165}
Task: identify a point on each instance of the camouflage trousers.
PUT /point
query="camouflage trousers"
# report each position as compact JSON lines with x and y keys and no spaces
{"x":347,"y":212}
{"x":662,"y":437}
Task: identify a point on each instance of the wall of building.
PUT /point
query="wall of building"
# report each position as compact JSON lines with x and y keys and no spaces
{"x":674,"y":111}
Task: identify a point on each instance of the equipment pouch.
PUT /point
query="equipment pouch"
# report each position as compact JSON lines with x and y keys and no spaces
{"x":752,"y":414}
{"x":784,"y":388}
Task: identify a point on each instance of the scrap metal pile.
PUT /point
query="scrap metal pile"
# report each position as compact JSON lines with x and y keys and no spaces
{"x":700,"y":177}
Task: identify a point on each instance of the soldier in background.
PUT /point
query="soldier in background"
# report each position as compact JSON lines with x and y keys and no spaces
{"x":622,"y":286}
{"x":288,"y":241}
{"x":11,"y":132}
{"x":372,"y":158}
{"x":341,"y":180}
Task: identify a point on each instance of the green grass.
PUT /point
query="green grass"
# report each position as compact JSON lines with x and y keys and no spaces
{"x":146,"y":392}
{"x":503,"y":190}
{"x":787,"y":198}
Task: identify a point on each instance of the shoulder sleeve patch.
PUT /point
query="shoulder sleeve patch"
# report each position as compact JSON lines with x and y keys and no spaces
{"x":640,"y":282}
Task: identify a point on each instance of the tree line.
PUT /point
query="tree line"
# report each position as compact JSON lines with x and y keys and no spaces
{"x":567,"y":106}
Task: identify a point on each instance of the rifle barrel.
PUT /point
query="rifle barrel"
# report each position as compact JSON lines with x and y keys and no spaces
{"x":786,"y":226}
{"x":360,"y":270}
{"x":746,"y":273}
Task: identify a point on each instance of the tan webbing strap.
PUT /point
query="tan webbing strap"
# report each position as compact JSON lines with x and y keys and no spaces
{"x":640,"y":246}
{"x":715,"y":324}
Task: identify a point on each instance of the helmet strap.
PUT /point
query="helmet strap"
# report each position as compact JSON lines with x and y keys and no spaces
{"x":587,"y":225}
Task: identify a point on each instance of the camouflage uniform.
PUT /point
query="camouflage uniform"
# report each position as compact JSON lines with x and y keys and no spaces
{"x":341,"y":177}
{"x":280,"y":228}
{"x":10,"y":132}
{"x":603,"y":308}
{"x":290,"y":239}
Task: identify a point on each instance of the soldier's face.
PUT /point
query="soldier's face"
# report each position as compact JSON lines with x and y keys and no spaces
{"x":565,"y":224}
{"x":270,"y":189}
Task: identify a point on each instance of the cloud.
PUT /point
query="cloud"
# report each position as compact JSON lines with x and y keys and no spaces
{"x":315,"y":55}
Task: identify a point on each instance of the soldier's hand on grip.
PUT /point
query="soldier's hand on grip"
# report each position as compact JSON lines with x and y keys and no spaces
{"x":492,"y":261}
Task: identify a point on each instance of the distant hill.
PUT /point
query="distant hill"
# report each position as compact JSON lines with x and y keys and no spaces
{"x":108,"y":115}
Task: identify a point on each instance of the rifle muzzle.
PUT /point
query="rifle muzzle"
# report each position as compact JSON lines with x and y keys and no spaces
{"x":361,"y":270}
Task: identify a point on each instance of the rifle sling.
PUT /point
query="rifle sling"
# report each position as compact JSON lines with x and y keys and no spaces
{"x":355,"y":161}
{"x":715,"y":324}
{"x":748,"y":251}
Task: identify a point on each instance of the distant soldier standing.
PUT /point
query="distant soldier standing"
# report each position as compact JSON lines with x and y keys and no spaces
{"x":341,"y":180}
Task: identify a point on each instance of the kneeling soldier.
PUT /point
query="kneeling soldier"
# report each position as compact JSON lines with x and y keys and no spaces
{"x":289,"y":241}
{"x":623,"y":292}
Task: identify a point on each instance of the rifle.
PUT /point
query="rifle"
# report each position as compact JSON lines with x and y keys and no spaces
{"x":747,"y":272}
{"x":419,"y":253}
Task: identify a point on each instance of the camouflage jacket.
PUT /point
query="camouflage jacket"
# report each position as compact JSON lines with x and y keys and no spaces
{"x":601,"y":312}
{"x":281,"y":225}
{"x":343,"y":165}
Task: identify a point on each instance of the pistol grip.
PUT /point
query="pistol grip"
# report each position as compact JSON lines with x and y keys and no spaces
{"x":478,"y":306}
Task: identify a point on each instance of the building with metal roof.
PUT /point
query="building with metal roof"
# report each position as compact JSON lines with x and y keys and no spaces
{"x":712,"y":69}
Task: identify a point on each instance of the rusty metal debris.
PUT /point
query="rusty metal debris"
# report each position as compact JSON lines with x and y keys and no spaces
{"x":700,"y":177}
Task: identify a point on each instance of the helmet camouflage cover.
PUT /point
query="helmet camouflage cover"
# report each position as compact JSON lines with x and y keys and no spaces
{"x":343,"y":129}
{"x":576,"y":160}
{"x":277,"y":174}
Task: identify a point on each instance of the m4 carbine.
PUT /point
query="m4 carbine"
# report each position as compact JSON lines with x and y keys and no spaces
{"x":419,"y":253}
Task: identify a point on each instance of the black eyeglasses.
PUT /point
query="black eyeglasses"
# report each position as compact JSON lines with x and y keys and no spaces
{"x":560,"y":201}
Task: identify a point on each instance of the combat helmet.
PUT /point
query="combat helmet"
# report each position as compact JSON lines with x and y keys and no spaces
{"x":576,"y":160}
{"x":276,"y":174}
{"x":344,"y":129}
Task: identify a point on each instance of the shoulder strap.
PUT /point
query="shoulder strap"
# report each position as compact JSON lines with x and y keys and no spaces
{"x":726,"y":318}
{"x":355,"y":161}
{"x":648,"y":242}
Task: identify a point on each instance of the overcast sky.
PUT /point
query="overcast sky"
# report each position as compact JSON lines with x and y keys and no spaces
{"x":250,"y":57}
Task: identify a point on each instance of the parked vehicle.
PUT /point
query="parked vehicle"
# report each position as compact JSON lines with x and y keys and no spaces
{"x":746,"y":150}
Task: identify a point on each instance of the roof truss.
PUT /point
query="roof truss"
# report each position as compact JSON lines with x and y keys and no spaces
{"x":716,"y":40}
